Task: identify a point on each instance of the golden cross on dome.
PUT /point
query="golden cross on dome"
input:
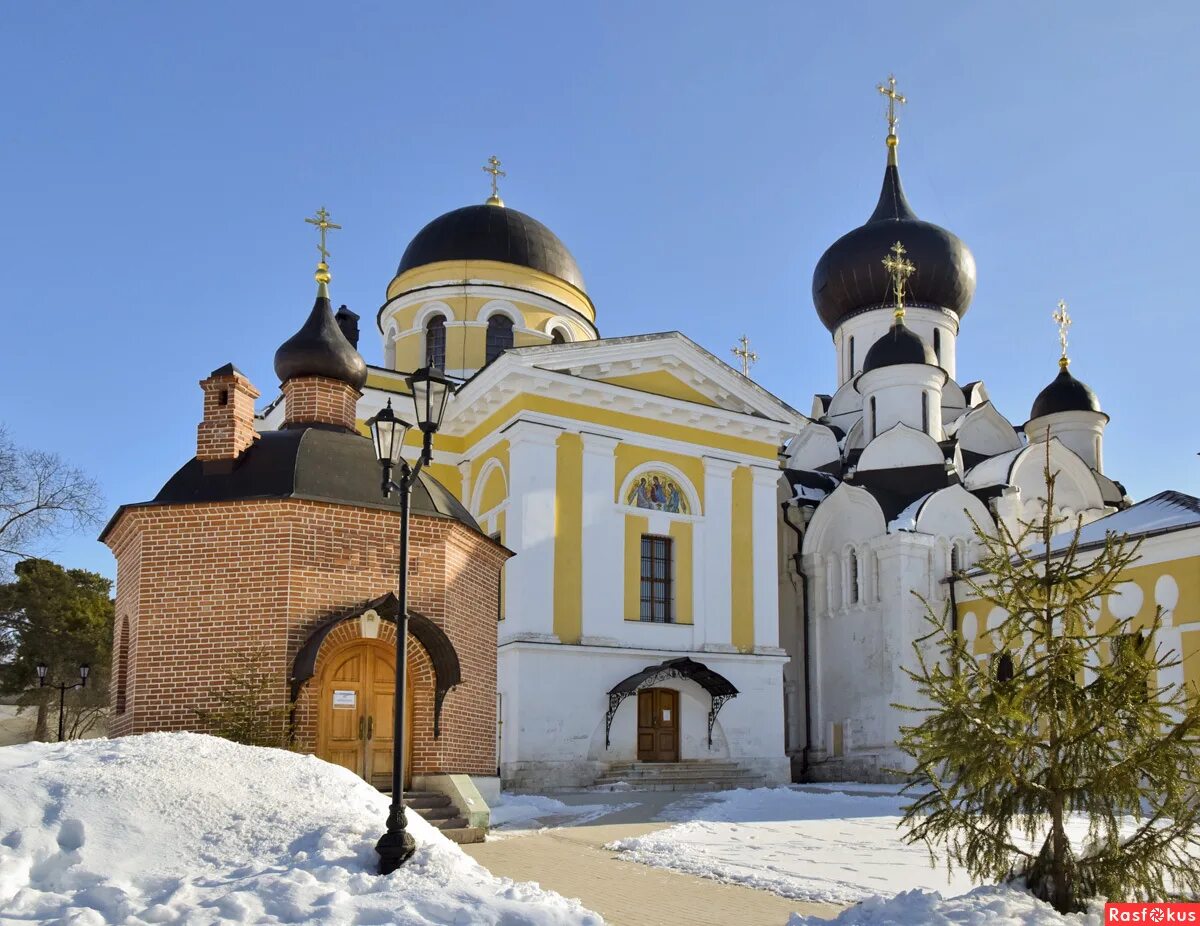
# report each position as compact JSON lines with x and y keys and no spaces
{"x":493,"y":167}
{"x":1064,"y":322}
{"x":901,"y":269}
{"x":745,"y":355}
{"x":893,"y":98}
{"x":324,"y":225}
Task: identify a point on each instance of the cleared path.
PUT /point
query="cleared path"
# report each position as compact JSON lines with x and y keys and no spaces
{"x":572,"y":860}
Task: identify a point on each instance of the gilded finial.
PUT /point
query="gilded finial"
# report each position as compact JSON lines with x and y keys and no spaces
{"x":1064,"y":322}
{"x":745,"y":355}
{"x":901,"y":269}
{"x":893,"y":119}
{"x":322,"y":276}
{"x":493,"y":167}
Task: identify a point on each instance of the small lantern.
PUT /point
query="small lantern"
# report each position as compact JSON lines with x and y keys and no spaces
{"x":83,"y":674}
{"x":41,"y":673}
{"x":388,"y":432}
{"x":431,"y":390}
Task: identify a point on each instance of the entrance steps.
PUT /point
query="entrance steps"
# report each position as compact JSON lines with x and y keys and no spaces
{"x":437,"y":811}
{"x":689,"y":775}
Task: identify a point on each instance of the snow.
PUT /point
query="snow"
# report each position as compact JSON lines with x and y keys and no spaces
{"x":517,"y":811}
{"x":984,"y":906}
{"x":809,"y":845}
{"x":184,"y":828}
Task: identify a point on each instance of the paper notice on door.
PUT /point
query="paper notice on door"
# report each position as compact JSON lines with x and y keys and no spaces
{"x":345,"y":698}
{"x":666,"y":716}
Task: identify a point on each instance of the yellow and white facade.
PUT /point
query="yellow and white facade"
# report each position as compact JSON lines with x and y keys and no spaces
{"x":548,"y":445}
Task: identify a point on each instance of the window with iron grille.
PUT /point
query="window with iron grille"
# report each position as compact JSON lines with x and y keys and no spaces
{"x":657,"y":567}
{"x":435,"y":343}
{"x":499,"y":336}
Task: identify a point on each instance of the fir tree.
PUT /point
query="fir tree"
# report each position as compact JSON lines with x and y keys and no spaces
{"x":248,"y":709}
{"x":1067,"y":720}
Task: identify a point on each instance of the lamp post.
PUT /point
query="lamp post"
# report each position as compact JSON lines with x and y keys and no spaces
{"x":430,"y":391}
{"x":63,"y":688}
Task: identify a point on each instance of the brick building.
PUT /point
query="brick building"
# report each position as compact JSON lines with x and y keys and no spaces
{"x":281,"y":543}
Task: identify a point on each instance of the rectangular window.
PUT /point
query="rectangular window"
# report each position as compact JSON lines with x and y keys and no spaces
{"x":657,"y":568}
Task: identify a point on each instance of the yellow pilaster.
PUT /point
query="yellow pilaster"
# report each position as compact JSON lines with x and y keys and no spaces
{"x":681,"y":537}
{"x":568,"y":539}
{"x":635,"y":526}
{"x":741,"y":564}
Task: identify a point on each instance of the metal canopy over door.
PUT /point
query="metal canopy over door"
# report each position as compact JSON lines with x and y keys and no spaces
{"x":658,"y":725}
{"x":357,"y":689}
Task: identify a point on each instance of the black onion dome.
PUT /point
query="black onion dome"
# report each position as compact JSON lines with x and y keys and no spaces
{"x":320,"y":348}
{"x":898,"y":345}
{"x":1064,"y":394}
{"x":850,"y":277}
{"x":496,"y":233}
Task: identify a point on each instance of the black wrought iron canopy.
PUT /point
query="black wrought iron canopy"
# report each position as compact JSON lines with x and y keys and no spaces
{"x":719,"y":688}
{"x":446,"y":669}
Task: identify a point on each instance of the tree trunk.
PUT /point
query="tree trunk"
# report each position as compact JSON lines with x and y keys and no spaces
{"x":40,"y":731}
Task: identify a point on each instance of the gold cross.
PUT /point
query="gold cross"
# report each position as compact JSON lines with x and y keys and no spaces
{"x":893,"y":98}
{"x":746,"y":355}
{"x":901,"y":269}
{"x":322,"y":222}
{"x":1064,"y":322}
{"x":493,"y":167}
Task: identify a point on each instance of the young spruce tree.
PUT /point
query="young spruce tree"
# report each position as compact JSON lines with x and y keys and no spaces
{"x":1061,"y":762}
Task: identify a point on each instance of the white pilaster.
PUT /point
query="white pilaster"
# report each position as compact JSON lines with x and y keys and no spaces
{"x":765,"y":527}
{"x":603,"y":540}
{"x":716,"y":629}
{"x":529,"y":527}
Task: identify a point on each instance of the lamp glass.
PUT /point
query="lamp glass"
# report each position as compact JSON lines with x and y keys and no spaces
{"x":41,"y":670}
{"x":431,"y":391}
{"x":84,"y":670}
{"x":388,"y":431}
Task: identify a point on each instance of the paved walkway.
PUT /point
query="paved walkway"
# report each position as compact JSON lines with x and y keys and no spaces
{"x":572,"y":860}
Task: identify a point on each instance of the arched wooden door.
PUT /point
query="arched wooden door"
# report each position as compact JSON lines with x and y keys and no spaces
{"x":354,"y":723}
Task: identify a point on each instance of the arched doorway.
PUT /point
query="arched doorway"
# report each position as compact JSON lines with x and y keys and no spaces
{"x":356,"y":694}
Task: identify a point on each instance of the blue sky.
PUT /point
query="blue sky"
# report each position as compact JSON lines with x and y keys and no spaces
{"x":158,"y":160}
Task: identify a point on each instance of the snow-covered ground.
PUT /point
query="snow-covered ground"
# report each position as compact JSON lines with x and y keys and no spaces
{"x":984,"y":906}
{"x":827,"y":846}
{"x":183,"y":828}
{"x":517,"y":812}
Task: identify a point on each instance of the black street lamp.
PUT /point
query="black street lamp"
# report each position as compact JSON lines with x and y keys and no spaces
{"x":430,"y":391}
{"x":62,"y":690}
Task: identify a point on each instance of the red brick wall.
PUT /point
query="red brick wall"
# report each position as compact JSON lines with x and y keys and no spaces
{"x":318,"y":399}
{"x":200,"y":582}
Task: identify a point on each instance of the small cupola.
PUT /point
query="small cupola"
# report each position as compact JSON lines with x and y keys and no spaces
{"x":899,"y":345}
{"x":320,"y":371}
{"x":1068,"y":408}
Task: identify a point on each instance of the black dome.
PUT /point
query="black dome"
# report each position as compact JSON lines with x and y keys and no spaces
{"x":898,"y":345}
{"x":1064,"y":394}
{"x":492,"y":233}
{"x":315,"y":462}
{"x":850,"y":277}
{"x":320,"y":348}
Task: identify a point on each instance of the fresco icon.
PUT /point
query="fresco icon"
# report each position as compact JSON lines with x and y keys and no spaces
{"x":658,"y":492}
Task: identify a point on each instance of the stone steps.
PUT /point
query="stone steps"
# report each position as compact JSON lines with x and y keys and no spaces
{"x":691,"y":775}
{"x":437,"y":810}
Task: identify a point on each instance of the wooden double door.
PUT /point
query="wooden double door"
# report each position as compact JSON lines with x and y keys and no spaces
{"x":354,"y":724}
{"x":658,"y":725}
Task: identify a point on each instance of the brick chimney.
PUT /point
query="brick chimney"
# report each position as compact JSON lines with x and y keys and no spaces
{"x":228,"y":425}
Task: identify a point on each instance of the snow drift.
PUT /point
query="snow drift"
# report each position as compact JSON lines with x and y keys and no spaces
{"x":184,"y":828}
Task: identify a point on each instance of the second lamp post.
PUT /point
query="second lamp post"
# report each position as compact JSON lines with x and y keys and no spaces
{"x":430,"y":391}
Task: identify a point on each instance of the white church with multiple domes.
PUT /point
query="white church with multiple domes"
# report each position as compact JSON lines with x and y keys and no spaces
{"x":707,"y":583}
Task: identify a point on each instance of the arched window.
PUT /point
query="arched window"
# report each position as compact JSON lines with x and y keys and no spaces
{"x":435,"y":342}
{"x":925,"y":412}
{"x":853,"y":577}
{"x":937,"y":344}
{"x":123,"y":667}
{"x":874,"y":419}
{"x":557,"y":336}
{"x":1003,"y":667}
{"x":499,"y":336}
{"x":851,"y":373}
{"x":955,"y":560}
